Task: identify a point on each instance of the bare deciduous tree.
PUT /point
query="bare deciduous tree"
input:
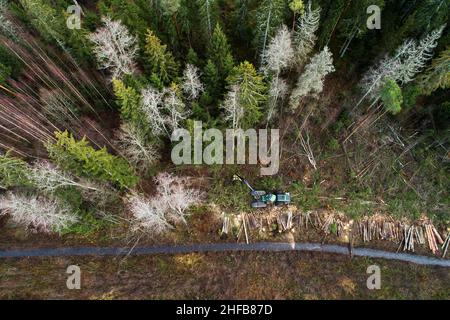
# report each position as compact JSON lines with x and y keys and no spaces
{"x":175,"y":196}
{"x":374,"y":78}
{"x":191,"y":84}
{"x":307,"y":150}
{"x":49,"y":178}
{"x":153,"y":108}
{"x":312,"y":79}
{"x":233,"y":110}
{"x":136,"y":149}
{"x":40,"y":214}
{"x":305,"y":34}
{"x":168,"y":206}
{"x":165,"y":110}
{"x":418,"y":57}
{"x":277,"y":92}
{"x":409,"y":59}
{"x":175,"y":107}
{"x":148,"y":215}
{"x":279,"y":54}
{"x":278,"y":57}
{"x":115,"y":48}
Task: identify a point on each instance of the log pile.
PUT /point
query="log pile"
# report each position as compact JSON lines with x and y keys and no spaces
{"x":446,"y":245}
{"x":309,"y":219}
{"x":225,"y":223}
{"x":337,"y":221}
{"x":285,"y":221}
{"x":377,"y":227}
{"x":433,"y":238}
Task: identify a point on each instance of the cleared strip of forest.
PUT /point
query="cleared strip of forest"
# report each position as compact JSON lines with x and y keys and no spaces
{"x":223,"y":247}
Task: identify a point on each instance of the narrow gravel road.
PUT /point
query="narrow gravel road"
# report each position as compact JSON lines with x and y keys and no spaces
{"x":222,"y":247}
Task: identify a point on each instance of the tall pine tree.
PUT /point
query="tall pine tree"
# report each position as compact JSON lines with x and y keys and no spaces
{"x":438,"y":74}
{"x":252,"y":92}
{"x":220,"y":54}
{"x":354,"y":24}
{"x":160,"y":62}
{"x":208,"y":11}
{"x":330,"y":20}
{"x":270,"y":16}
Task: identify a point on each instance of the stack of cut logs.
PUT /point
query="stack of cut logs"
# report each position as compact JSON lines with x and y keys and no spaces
{"x":376,"y":227}
{"x":433,"y":237}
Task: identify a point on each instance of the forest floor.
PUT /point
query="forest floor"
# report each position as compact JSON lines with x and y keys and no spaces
{"x":227,"y":276}
{"x":242,"y":275}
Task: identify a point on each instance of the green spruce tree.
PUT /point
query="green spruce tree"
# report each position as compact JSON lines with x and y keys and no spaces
{"x":252,"y":92}
{"x":220,"y":52}
{"x":159,"y":61}
{"x":438,"y":74}
{"x":83,"y":160}
{"x":270,"y":16}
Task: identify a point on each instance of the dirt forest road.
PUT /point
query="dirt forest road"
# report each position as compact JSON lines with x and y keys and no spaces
{"x":223,"y":247}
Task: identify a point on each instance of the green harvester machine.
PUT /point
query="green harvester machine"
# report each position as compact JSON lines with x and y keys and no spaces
{"x":264,"y":199}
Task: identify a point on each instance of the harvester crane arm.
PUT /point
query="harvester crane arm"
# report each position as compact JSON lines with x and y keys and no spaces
{"x":237,"y":177}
